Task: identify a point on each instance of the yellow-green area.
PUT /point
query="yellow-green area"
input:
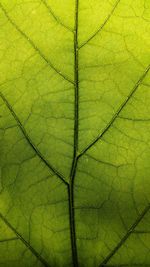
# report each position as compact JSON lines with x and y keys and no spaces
{"x":74,"y":133}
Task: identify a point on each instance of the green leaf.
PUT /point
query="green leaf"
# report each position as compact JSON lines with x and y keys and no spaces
{"x":74,"y":133}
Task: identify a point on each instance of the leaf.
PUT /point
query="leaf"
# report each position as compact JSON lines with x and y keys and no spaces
{"x":74,"y":133}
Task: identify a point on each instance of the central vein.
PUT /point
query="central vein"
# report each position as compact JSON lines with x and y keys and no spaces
{"x":75,"y":153}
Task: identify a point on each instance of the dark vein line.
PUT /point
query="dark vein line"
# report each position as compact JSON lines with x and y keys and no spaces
{"x":36,"y":254}
{"x":133,"y":119}
{"x":30,"y":141}
{"x":57,"y":19}
{"x":127,"y":265}
{"x":141,"y":232}
{"x":117,"y":113}
{"x":126,"y":236}
{"x":8,"y":239}
{"x":34,"y":46}
{"x":103,"y":162}
{"x":75,"y":152}
{"x":102,"y":26}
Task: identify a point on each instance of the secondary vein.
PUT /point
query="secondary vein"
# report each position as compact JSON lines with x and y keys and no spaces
{"x":33,"y":146}
{"x":34,"y":46}
{"x":102,"y":26}
{"x":126,"y":236}
{"x":8,"y":239}
{"x":127,"y":265}
{"x":57,"y":19}
{"x":133,"y":91}
{"x":36,"y":254}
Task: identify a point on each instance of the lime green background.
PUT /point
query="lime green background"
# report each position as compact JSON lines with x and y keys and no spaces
{"x":112,"y":182}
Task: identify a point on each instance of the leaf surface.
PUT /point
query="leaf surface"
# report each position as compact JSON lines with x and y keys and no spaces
{"x":74,"y":133}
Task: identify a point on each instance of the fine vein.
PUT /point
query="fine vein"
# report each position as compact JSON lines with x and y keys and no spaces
{"x":57,"y":19}
{"x":19,"y":236}
{"x":30,"y":141}
{"x":74,"y":162}
{"x":102,"y":26}
{"x":34,"y":46}
{"x":8,"y":239}
{"x":127,"y":265}
{"x":117,"y":113}
{"x":126,"y":236}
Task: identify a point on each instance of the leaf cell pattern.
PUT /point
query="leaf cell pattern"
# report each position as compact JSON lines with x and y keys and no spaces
{"x":74,"y":133}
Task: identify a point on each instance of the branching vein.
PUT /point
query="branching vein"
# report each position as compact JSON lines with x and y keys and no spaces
{"x":126,"y":236}
{"x":19,"y":236}
{"x":38,"y":153}
{"x":102,"y":26}
{"x":76,"y":156}
{"x":34,"y":46}
{"x":57,"y":19}
{"x":117,"y":113}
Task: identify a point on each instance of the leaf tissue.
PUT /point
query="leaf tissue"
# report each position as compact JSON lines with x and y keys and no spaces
{"x":74,"y":133}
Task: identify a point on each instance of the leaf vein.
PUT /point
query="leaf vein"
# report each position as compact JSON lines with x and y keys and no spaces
{"x":19,"y":236}
{"x":57,"y":19}
{"x":126,"y":236}
{"x":60,"y":176}
{"x":76,"y":132}
{"x":102,"y":26}
{"x":8,"y":239}
{"x":117,"y":113}
{"x":34,"y":46}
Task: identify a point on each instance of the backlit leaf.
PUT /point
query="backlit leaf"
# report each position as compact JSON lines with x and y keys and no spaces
{"x":74,"y":133}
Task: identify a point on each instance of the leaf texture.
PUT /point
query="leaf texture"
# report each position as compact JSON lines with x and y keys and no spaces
{"x":74,"y":133}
